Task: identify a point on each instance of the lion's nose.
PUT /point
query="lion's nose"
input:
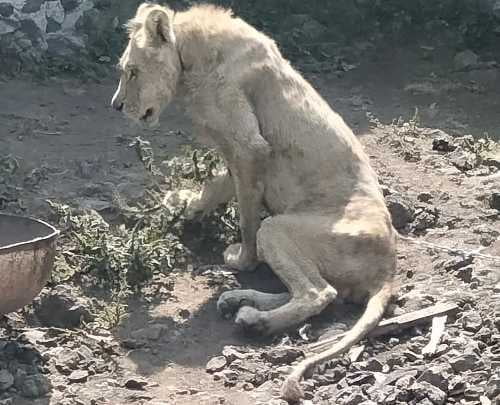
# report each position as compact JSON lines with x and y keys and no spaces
{"x":117,"y":105}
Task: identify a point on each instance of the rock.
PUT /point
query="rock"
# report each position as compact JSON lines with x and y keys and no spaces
{"x":457,"y":263}
{"x":231,"y":354}
{"x":55,"y":11}
{"x":52,"y":25}
{"x":62,"y":46}
{"x":422,"y":390}
{"x":473,"y":393}
{"x":8,"y":26}
{"x":436,"y":376}
{"x":135,"y":384}
{"x":373,"y":364}
{"x":443,"y":144}
{"x":472,"y":321}
{"x":6,"y":9}
{"x":69,"y":5}
{"x":464,"y":274}
{"x":465,"y":362}
{"x":67,"y":360}
{"x":78,"y":376}
{"x":216,"y":364}
{"x":6,"y":380}
{"x":463,"y":160}
{"x":32,"y":6}
{"x":424,"y":197}
{"x":35,"y":386}
{"x":465,"y":60}
{"x":495,"y":201}
{"x":280,"y":355}
{"x":496,"y":9}
{"x":62,"y":308}
{"x":402,"y":212}
{"x":493,"y":386}
{"x":153,"y":332}
{"x":360,"y":378}
{"x":356,"y":398}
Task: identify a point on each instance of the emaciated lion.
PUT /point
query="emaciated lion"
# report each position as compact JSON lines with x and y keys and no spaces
{"x":329,"y":233}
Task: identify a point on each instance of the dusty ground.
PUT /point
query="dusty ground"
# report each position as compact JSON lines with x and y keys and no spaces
{"x":64,"y":134}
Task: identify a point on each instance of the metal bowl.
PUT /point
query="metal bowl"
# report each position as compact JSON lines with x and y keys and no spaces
{"x":27,"y":251}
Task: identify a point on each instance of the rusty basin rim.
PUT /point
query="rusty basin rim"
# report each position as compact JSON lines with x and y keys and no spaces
{"x":30,"y":244}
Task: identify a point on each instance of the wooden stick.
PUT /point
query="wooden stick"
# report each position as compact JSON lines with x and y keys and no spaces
{"x":398,"y":323}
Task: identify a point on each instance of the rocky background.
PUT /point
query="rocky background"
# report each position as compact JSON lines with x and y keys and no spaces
{"x":84,"y":36}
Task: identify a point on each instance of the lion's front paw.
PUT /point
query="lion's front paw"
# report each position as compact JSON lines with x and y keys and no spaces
{"x":252,"y":321}
{"x":237,"y":257}
{"x":230,"y":301}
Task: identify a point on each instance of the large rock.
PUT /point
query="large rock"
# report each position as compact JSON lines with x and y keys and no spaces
{"x":62,"y":308}
{"x":465,"y":60}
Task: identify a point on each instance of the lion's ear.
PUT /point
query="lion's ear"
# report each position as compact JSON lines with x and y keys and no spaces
{"x":159,"y":26}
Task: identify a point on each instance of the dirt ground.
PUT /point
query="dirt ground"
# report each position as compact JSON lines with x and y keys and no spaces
{"x":68,"y":129}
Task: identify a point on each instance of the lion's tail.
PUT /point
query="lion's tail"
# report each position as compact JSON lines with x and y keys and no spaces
{"x":374,"y":311}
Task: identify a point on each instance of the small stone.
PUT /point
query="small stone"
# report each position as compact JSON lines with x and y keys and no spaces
{"x":152,"y":332}
{"x":472,"y":393}
{"x":472,"y":322}
{"x":356,"y":398}
{"x":423,"y":390}
{"x":78,"y":376}
{"x":231,"y":354}
{"x":465,"y":362}
{"x":32,"y":6}
{"x":360,"y":378}
{"x":493,"y":386}
{"x":465,"y":60}
{"x":216,"y":364}
{"x":67,"y":360}
{"x":402,"y":213}
{"x":495,"y":201}
{"x":443,"y":144}
{"x":457,"y":263}
{"x":463,"y":160}
{"x":281,"y":355}
{"x":424,"y":197}
{"x":464,"y":274}
{"x":372,"y":364}
{"x":436,"y":376}
{"x":6,"y":380}
{"x":135,"y":384}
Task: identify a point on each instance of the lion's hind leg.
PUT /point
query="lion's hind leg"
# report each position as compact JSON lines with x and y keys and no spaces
{"x":278,"y":244}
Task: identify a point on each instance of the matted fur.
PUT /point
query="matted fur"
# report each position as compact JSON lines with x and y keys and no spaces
{"x":329,"y":233}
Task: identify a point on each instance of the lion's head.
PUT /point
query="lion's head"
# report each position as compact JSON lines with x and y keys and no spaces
{"x":150,"y":65}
